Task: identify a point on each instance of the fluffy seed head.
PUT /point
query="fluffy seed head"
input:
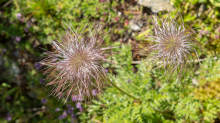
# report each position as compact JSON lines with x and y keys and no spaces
{"x":75,"y":66}
{"x":175,"y":45}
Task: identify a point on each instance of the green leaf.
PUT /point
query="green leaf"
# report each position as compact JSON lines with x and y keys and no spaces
{"x":215,"y":2}
{"x":202,"y":1}
{"x":6,"y":85}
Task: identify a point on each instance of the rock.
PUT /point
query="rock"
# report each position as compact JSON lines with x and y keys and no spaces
{"x":157,"y":5}
{"x":135,"y":25}
{"x":195,"y":82}
{"x":14,"y":70}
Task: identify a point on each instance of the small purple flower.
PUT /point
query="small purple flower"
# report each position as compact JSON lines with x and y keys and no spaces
{"x":102,"y":20}
{"x":70,"y":110}
{"x":218,"y":29}
{"x":116,"y":18}
{"x":42,"y":81}
{"x":65,"y":113}
{"x":18,"y":15}
{"x":206,"y":32}
{"x":81,"y":109}
{"x":106,"y":70}
{"x":68,"y":99}
{"x":101,"y":40}
{"x":217,"y":37}
{"x":57,"y":109}
{"x":37,"y":66}
{"x":202,"y":31}
{"x":78,"y":105}
{"x":29,"y":24}
{"x":73,"y":116}
{"x":60,"y":96}
{"x":80,"y":98}
{"x":4,"y":50}
{"x":9,"y":118}
{"x":26,"y":29}
{"x":16,"y":53}
{"x":129,"y":81}
{"x":32,"y":20}
{"x":44,"y":101}
{"x":104,"y":14}
{"x":94,"y":92}
{"x":8,"y":97}
{"x":17,"y":38}
{"x":68,"y":105}
{"x":54,"y":60}
{"x":61,"y":117}
{"x":74,"y":98}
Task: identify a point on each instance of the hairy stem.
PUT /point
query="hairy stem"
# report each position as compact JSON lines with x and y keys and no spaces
{"x":121,"y":90}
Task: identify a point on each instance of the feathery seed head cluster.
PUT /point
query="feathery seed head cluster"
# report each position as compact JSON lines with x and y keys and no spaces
{"x":175,"y":45}
{"x":75,"y":66}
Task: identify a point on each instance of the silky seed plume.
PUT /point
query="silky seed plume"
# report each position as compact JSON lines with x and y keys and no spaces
{"x":174,"y":45}
{"x":75,"y":66}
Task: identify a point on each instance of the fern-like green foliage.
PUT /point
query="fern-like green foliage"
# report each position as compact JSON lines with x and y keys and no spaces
{"x":162,"y":101}
{"x":50,"y":16}
{"x":208,"y":90}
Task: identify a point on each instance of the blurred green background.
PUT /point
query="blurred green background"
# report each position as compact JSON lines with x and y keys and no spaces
{"x":27,"y":26}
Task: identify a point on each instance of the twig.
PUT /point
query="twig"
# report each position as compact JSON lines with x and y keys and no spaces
{"x":6,"y":4}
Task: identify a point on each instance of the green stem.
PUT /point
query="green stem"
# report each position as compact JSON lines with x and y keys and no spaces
{"x":113,"y":84}
{"x":183,"y":88}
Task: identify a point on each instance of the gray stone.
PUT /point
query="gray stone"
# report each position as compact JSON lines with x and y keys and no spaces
{"x":136,"y":26}
{"x":157,"y":5}
{"x":14,"y":70}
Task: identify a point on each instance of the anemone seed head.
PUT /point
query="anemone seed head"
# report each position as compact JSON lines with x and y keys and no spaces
{"x":174,"y":45}
{"x":75,"y":66}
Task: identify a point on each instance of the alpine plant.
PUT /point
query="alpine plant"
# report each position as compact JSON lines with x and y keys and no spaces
{"x":75,"y":67}
{"x":175,"y":45}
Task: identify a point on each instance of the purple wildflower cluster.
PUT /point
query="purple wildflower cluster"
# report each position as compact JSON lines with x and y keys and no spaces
{"x":77,"y":98}
{"x":37,"y":65}
{"x":19,"y":15}
{"x":8,"y":118}
{"x":94,"y":92}
{"x":16,"y":38}
{"x":69,"y":111}
{"x":203,"y":32}
{"x":216,"y":37}
{"x":4,"y":50}
{"x":42,"y":81}
{"x":8,"y":98}
{"x":57,"y":109}
{"x":28,"y":24}
{"x":63,"y":115}
{"x":44,"y":101}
